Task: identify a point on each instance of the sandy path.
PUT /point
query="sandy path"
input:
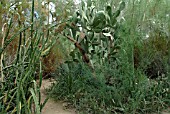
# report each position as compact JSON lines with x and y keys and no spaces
{"x":51,"y":106}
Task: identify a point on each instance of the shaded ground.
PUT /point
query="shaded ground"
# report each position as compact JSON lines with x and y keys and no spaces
{"x":51,"y":106}
{"x":166,"y":111}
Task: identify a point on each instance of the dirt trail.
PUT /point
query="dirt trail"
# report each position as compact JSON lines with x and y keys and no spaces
{"x":51,"y":106}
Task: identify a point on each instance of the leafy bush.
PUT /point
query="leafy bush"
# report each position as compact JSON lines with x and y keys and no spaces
{"x":151,"y":55}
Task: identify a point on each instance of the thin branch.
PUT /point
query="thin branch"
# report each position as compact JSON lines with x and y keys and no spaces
{"x":82,"y":51}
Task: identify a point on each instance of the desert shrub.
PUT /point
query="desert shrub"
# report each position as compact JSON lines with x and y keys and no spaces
{"x":55,"y":15}
{"x":151,"y":55}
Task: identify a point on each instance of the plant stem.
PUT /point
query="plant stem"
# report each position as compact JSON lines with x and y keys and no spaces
{"x":2,"y":55}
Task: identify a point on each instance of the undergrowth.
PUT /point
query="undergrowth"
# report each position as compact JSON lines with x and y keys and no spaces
{"x":110,"y":90}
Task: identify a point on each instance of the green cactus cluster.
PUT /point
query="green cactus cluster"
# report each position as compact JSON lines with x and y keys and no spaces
{"x":95,"y":32}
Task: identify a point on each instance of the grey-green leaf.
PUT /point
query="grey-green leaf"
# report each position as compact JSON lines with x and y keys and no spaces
{"x":122,"y":6}
{"x":109,"y":10}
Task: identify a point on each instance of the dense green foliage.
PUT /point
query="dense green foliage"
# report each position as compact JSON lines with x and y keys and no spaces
{"x":137,"y":81}
{"x":108,"y":56}
{"x":113,"y":91}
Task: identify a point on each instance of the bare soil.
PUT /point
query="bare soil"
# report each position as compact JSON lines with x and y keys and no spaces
{"x":53,"y":107}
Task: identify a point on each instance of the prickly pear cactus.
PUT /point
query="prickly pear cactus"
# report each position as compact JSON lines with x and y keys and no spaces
{"x":93,"y":32}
